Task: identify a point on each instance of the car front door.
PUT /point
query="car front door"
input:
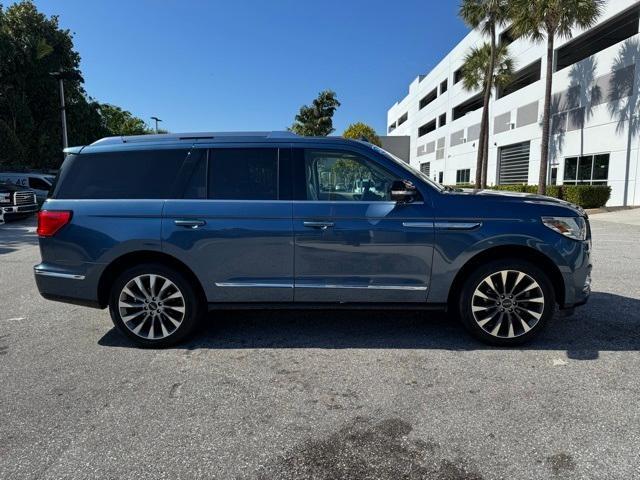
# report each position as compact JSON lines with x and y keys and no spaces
{"x":234,"y":226}
{"x":352,"y":242}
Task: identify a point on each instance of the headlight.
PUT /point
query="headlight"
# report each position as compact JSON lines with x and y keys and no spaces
{"x":572,"y":227}
{"x":5,"y":198}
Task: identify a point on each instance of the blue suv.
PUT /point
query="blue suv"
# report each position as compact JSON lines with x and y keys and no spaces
{"x":162,"y":228}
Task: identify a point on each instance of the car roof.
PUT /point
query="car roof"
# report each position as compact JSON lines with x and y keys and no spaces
{"x":189,"y":139}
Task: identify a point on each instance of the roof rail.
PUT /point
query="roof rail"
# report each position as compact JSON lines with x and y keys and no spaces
{"x":190,"y":137}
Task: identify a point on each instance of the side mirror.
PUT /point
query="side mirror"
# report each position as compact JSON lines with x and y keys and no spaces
{"x":403,"y":191}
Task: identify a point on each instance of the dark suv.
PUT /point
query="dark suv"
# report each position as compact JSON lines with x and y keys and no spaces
{"x":161,"y":228}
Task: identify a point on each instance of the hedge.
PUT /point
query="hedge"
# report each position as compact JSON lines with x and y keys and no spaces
{"x":587,"y":196}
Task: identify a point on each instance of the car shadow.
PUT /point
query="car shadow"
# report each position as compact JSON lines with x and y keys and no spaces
{"x":608,"y":323}
{"x":17,"y":234}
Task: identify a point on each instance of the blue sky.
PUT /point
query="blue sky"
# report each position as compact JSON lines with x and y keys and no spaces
{"x":250,"y":65}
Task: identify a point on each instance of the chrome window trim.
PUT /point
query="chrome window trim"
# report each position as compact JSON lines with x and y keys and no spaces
{"x":417,"y":224}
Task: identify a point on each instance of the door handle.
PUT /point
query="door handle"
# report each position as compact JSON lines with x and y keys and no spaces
{"x":189,"y":223}
{"x":318,"y":225}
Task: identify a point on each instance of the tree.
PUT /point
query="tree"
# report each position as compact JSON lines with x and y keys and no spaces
{"x":121,"y":122}
{"x":542,"y":20}
{"x":486,"y":15}
{"x":475,"y":74}
{"x":359,"y":131}
{"x":32,"y":46}
{"x":317,"y":120}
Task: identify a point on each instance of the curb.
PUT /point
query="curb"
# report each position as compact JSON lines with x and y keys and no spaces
{"x":595,"y":211}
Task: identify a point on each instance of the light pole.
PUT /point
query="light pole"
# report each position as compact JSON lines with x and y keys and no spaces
{"x":157,"y":120}
{"x":62,"y":75}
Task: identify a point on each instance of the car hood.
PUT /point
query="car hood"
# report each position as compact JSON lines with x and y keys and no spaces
{"x":10,"y":187}
{"x":531,"y":198}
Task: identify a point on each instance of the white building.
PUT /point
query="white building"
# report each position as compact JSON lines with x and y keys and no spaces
{"x":596,"y":90}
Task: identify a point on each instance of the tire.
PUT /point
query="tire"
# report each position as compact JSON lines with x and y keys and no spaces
{"x":511,"y":314}
{"x":158,"y":315}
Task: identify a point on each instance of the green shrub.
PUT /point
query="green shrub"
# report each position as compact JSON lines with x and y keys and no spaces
{"x":587,"y":196}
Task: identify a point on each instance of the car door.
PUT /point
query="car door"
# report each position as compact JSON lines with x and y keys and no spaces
{"x":352,"y":243}
{"x":234,"y":226}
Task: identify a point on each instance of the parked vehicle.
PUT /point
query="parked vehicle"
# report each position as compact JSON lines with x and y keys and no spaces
{"x":161,"y":228}
{"x":40,"y":183}
{"x":16,"y":202}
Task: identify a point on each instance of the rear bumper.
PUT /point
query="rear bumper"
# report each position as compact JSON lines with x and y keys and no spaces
{"x":66,"y":286}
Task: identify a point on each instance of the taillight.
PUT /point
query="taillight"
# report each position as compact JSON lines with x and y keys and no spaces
{"x":50,"y":221}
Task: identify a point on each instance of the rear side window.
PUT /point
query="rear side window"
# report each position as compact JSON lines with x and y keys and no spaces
{"x":121,"y":175}
{"x":243,"y":174}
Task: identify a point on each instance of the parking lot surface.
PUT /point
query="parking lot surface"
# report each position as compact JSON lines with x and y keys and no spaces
{"x":322,"y":395}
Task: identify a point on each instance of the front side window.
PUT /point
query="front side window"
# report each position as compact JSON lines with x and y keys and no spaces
{"x":345,"y":176}
{"x":586,"y":170}
{"x":243,"y":174}
{"x":38,"y":184}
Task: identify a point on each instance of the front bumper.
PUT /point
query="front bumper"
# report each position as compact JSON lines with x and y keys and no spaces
{"x":19,"y":210}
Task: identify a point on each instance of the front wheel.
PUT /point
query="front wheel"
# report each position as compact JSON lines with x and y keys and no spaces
{"x":506,"y":302}
{"x":154,"y":305}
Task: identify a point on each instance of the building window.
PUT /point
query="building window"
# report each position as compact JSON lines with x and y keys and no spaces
{"x":444,"y":86}
{"x":392,"y":127}
{"x":471,"y":105}
{"x":521,"y":79}
{"x":507,"y":37}
{"x":463,"y":176}
{"x":427,"y":128}
{"x":440,"y":177}
{"x":427,"y":99}
{"x":457,"y":75}
{"x":426,"y":168}
{"x":586,"y":170}
{"x":597,"y":39}
{"x":442,"y":120}
{"x":403,"y":118}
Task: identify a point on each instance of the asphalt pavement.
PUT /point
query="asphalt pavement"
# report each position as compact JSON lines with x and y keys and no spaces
{"x":322,"y":395}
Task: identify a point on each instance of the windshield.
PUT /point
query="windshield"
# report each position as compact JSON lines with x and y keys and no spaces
{"x":408,"y":168}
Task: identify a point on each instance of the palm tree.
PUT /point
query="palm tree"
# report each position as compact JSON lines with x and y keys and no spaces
{"x":475,"y":74}
{"x":487,"y":15}
{"x":551,"y":19}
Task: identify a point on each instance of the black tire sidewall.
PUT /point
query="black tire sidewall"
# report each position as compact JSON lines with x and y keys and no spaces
{"x":469,"y":286}
{"x":193,"y":305}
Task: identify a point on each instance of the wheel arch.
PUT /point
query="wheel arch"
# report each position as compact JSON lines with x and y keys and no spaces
{"x":510,"y":251}
{"x":120,"y":264}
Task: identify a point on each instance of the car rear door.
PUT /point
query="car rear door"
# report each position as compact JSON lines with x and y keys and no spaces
{"x":233,"y":227}
{"x":352,"y":243}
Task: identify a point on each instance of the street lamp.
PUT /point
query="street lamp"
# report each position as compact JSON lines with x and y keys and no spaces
{"x":157,"y":120}
{"x":62,"y":75}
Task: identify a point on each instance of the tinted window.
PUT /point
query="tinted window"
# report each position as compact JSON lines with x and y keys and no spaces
{"x":197,"y":183}
{"x":124,"y":175}
{"x":243,"y":174}
{"x":38,"y":184}
{"x":344,"y":176}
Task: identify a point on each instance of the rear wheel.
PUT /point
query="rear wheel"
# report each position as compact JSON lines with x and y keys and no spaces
{"x":154,"y":305}
{"x":506,"y":302}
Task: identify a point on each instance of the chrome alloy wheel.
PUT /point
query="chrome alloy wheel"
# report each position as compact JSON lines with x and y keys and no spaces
{"x":151,"y":306}
{"x":507,"y":304}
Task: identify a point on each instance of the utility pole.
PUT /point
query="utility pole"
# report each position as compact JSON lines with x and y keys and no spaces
{"x":61,"y":76}
{"x":157,"y":120}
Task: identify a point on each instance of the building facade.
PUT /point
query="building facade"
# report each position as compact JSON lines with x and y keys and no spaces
{"x":595,"y":123}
